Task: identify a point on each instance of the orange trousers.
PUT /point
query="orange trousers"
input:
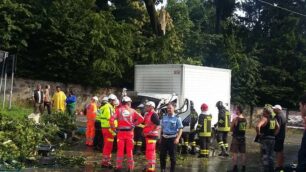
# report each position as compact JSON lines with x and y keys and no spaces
{"x":90,"y":132}
{"x":108,"y":146}
{"x":125,"y":141}
{"x":151,"y":154}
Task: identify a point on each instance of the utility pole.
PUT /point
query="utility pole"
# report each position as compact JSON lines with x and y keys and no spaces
{"x":12,"y":80}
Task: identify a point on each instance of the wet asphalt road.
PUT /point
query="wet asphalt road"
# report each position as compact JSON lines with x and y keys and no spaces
{"x":186,"y":163}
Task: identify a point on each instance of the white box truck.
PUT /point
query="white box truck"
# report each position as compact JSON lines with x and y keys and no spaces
{"x":185,"y":83}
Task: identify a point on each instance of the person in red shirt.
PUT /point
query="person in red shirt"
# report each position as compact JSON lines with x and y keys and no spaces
{"x":151,"y":132}
{"x":127,"y":119}
{"x":91,"y":111}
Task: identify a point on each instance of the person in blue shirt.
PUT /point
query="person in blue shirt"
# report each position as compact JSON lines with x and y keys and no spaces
{"x":302,"y":152}
{"x":71,"y":104}
{"x":171,"y":132}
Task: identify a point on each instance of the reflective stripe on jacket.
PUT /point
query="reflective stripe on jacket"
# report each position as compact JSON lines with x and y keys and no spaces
{"x":223,"y":120}
{"x":204,"y":125}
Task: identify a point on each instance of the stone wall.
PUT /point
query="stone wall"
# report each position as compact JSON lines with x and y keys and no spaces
{"x":23,"y":91}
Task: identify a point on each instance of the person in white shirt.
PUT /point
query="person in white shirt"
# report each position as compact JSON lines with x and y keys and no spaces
{"x":38,"y":100}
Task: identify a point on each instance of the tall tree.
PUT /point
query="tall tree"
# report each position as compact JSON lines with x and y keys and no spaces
{"x":17,"y":21}
{"x":150,"y":5}
{"x":224,"y":9}
{"x":280,"y":37}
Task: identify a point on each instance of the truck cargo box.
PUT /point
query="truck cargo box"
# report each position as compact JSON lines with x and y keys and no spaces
{"x":197,"y":83}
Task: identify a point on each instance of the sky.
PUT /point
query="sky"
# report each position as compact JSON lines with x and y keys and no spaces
{"x":162,"y":5}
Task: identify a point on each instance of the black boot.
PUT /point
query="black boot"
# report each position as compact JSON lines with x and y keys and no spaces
{"x":268,"y":168}
{"x":184,"y":149}
{"x":243,"y":168}
{"x":201,"y":156}
{"x":235,"y":168}
{"x":137,"y":150}
{"x":193,"y":151}
{"x":107,"y":165}
{"x":223,"y":152}
{"x":117,"y":170}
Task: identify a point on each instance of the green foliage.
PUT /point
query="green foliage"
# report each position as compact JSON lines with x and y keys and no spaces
{"x":16,"y":112}
{"x":69,"y":161}
{"x":19,"y":138}
{"x":279,"y":38}
{"x":16,"y":20}
{"x":96,"y":43}
{"x":62,"y":120}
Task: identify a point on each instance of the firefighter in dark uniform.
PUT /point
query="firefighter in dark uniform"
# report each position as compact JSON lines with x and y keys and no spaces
{"x":223,"y":125}
{"x":266,"y":130}
{"x":204,"y":131}
{"x":189,"y":137}
{"x":138,"y":136}
{"x":193,"y":122}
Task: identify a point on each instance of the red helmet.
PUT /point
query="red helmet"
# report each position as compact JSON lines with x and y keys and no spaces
{"x":204,"y":107}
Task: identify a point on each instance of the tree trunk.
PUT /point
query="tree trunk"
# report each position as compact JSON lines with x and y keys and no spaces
{"x":218,"y":15}
{"x":150,"y":5}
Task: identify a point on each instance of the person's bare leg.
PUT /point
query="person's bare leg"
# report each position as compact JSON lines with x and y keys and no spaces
{"x":279,"y":159}
{"x":243,"y":161}
{"x":234,"y":161}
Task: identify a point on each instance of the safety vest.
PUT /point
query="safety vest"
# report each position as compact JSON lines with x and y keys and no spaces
{"x":205,"y":130}
{"x":106,"y":111}
{"x":91,"y":111}
{"x":126,"y":117}
{"x":239,"y":129}
{"x":268,"y":130}
{"x":150,"y":129}
{"x":223,"y":120}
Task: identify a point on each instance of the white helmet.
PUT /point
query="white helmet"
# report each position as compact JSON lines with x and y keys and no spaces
{"x":140,"y":105}
{"x":112,"y":97}
{"x":105,"y":99}
{"x":117,"y":102}
{"x":95,"y":98}
{"x":150,"y":103}
{"x":126,"y":99}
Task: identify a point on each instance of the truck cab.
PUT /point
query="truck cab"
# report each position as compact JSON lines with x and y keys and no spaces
{"x":161,"y":100}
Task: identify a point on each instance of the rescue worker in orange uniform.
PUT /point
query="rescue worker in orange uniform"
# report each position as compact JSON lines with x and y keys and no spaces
{"x":106,"y":111}
{"x":127,"y":119}
{"x":151,"y":133}
{"x":91,"y":111}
